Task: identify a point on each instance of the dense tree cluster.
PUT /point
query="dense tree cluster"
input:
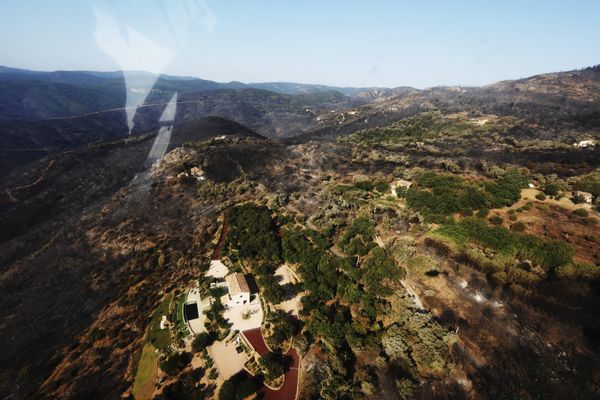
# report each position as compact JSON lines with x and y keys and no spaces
{"x":369,"y":283}
{"x":272,"y":366}
{"x":379,"y":272}
{"x":589,"y":183}
{"x":202,"y":341}
{"x":548,"y":254}
{"x":506,"y":189}
{"x":319,"y":269}
{"x":344,"y":305}
{"x":272,"y":291}
{"x":357,"y":239}
{"x":239,"y":386}
{"x":380,"y":185}
{"x":216,"y":324}
{"x":437,"y":196}
{"x":187,"y":387}
{"x":252,"y":231}
{"x":282,"y":327}
{"x":416,"y":341}
{"x":174,"y":362}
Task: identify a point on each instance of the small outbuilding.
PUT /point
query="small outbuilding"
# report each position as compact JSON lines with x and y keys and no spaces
{"x":164,"y":322}
{"x":403,"y":183}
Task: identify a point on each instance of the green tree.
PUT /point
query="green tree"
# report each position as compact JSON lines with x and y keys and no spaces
{"x":202,"y":341}
{"x":252,"y":231}
{"x":174,"y":363}
{"x":272,"y":366}
{"x":239,"y":386}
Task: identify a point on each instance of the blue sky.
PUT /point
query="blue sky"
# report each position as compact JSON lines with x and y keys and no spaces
{"x":349,"y":43}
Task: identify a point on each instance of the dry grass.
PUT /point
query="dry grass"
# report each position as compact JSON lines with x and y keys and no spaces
{"x":143,"y":386}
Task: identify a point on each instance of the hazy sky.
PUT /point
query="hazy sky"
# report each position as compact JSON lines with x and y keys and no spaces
{"x":350,"y":43}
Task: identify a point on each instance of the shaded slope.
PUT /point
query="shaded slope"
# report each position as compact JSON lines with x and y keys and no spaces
{"x":207,"y":128}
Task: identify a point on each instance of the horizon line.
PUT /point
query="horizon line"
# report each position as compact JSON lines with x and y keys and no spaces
{"x":189,"y":77}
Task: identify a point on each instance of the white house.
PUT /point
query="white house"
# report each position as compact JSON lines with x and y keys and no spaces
{"x":584,"y":196}
{"x":585,"y":143}
{"x":400,"y":183}
{"x":403,"y":183}
{"x":239,"y":292}
{"x":197,"y":173}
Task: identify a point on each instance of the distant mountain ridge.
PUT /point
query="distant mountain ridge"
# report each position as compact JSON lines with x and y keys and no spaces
{"x":45,"y":112}
{"x":192,"y":83}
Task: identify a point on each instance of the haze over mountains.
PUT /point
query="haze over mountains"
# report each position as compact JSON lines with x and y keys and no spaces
{"x":112,"y":89}
{"x":44,"y":112}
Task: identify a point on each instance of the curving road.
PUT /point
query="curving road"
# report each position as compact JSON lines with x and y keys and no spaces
{"x":289,"y":389}
{"x":217,"y":252}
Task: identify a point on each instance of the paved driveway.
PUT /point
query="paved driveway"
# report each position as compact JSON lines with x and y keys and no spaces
{"x":290,"y":384}
{"x":255,"y":338}
{"x":217,"y":269}
{"x":228,"y":360}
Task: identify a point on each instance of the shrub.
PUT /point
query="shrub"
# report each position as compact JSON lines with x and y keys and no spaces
{"x":578,"y":199}
{"x":518,"y":226}
{"x":581,"y":212}
{"x":521,"y":277}
{"x":498,"y":278}
{"x":579,"y":271}
{"x":506,"y":190}
{"x":552,"y":189}
{"x":174,"y":363}
{"x":357,"y":239}
{"x":239,"y":386}
{"x":272,"y":366}
{"x":380,"y":185}
{"x":496,"y":220}
{"x":483,"y":213}
{"x":589,"y":183}
{"x":284,"y":327}
{"x":540,"y":196}
{"x":202,"y":341}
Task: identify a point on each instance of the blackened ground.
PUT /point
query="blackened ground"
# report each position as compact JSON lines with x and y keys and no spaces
{"x":207,"y":128}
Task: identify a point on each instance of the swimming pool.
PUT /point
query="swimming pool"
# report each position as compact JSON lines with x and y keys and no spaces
{"x":190,"y":311}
